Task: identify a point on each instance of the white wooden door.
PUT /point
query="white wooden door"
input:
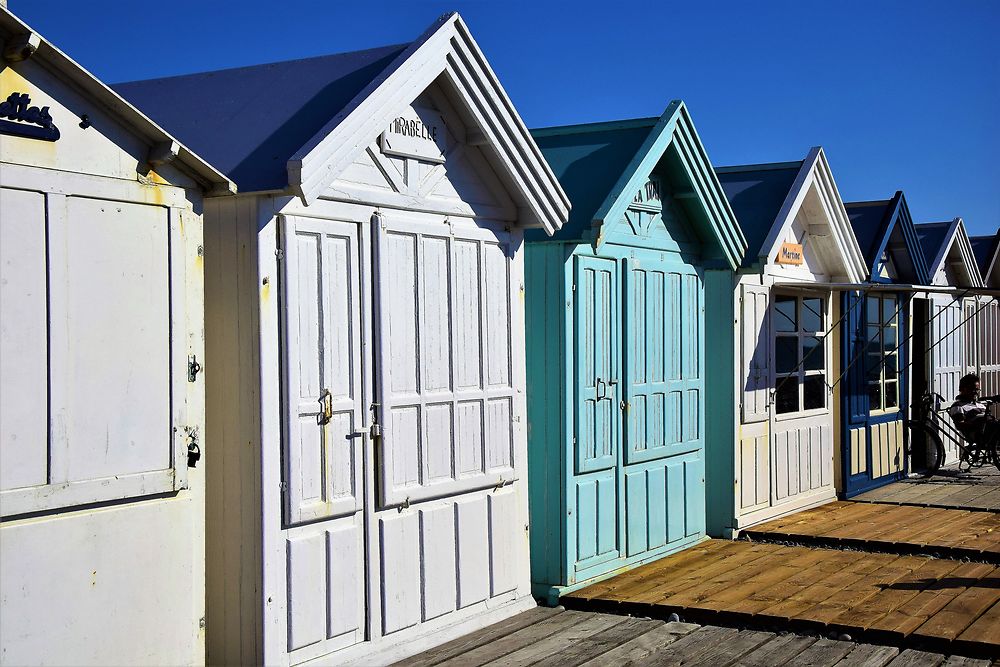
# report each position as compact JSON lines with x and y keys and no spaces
{"x":323,"y":443}
{"x":948,"y":355}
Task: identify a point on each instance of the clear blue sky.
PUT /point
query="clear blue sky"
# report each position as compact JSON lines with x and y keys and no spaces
{"x":902,"y":95}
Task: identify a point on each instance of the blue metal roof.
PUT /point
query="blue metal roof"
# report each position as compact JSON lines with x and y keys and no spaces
{"x":869,"y":220}
{"x":885,"y":226}
{"x":985,"y":249}
{"x":601,"y":165}
{"x":588,"y":160}
{"x":932,"y":236}
{"x":249,"y":121}
{"x":757,"y":193}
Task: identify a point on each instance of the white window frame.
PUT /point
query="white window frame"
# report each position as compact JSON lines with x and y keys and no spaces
{"x":801,"y":373}
{"x":894,"y":324}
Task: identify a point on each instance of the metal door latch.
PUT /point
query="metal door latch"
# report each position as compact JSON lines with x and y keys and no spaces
{"x":193,"y":451}
{"x":193,"y":368}
{"x":326,"y":411}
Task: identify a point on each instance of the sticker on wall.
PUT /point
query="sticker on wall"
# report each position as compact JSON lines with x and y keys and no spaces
{"x":19,"y":119}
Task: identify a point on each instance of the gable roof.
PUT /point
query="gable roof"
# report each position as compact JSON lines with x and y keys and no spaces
{"x":251,"y":136}
{"x":886,"y":225}
{"x":767,"y":197}
{"x":937,"y":240}
{"x":320,"y":112}
{"x":987,"y":253}
{"x":11,"y":27}
{"x":602,"y":165}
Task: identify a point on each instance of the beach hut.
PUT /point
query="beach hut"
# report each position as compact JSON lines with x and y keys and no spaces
{"x":617,"y":362}
{"x":986,"y":346}
{"x":365,"y":359}
{"x":946,"y":320}
{"x":102,"y":555}
{"x":787,"y":341}
{"x":875,"y":352}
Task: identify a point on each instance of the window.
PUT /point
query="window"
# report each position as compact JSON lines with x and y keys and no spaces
{"x":881,"y":352}
{"x":799,"y":353}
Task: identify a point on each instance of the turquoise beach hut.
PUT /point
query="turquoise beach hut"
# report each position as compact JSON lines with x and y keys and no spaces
{"x":616,"y":349}
{"x":875,"y":352}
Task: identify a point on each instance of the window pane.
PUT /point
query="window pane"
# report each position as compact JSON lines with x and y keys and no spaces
{"x":889,"y":307}
{"x":813,"y":358}
{"x":873,"y":316}
{"x":874,"y":367}
{"x":786,"y":395}
{"x":874,"y":341}
{"x":812,"y":314}
{"x":784,"y":314}
{"x":786,"y":354}
{"x":875,"y":396}
{"x":814,"y":392}
{"x":891,"y":391}
{"x":891,"y":365}
{"x":889,"y":335}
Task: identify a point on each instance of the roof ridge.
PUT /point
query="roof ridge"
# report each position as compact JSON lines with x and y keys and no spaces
{"x":598,"y":126}
{"x":763,"y":166}
{"x":238,"y":68}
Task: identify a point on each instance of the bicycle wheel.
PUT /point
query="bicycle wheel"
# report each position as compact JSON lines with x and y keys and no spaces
{"x":926,"y":448}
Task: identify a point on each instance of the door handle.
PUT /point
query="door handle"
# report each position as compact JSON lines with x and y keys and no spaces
{"x":326,"y":408}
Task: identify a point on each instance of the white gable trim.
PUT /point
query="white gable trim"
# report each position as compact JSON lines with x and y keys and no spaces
{"x":163,"y":147}
{"x":958,"y":235}
{"x":447,"y":49}
{"x":815,"y":170}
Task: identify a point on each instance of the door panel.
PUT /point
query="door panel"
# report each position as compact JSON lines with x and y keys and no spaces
{"x":444,"y":386}
{"x":755,"y":342}
{"x":322,"y":451}
{"x":597,"y":320}
{"x":322,"y":328}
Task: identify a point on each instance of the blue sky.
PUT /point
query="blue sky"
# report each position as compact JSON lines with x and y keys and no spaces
{"x":902,"y":95}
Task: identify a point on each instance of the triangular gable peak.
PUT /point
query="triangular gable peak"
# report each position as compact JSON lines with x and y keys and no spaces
{"x":888,"y":240}
{"x":674,"y":151}
{"x":987,"y":250}
{"x":812,"y":216}
{"x":34,"y":65}
{"x":446,"y":59}
{"x":952,"y":261}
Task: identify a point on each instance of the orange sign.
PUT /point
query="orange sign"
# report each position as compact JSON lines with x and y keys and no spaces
{"x":790,"y":253}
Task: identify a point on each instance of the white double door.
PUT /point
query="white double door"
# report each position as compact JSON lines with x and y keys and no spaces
{"x":410,"y":319}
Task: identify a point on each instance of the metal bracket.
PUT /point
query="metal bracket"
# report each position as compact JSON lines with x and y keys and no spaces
{"x":502,"y":483}
{"x":193,"y":450}
{"x":193,"y":368}
{"x":279,"y":254}
{"x":404,"y":505}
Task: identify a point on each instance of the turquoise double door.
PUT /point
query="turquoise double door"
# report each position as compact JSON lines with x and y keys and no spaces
{"x":637,"y":480}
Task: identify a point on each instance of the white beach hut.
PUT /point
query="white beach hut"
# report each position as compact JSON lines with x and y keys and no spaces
{"x":784,"y":419}
{"x":367,"y":490}
{"x":101,"y":341}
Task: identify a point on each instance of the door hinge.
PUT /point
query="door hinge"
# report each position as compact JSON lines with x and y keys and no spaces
{"x":279,"y":254}
{"x":283,"y":486}
{"x":193,"y":368}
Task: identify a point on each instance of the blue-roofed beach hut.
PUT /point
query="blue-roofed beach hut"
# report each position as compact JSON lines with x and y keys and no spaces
{"x":617,"y":336}
{"x":366,"y":443}
{"x":786,"y":343}
{"x":875,"y":379}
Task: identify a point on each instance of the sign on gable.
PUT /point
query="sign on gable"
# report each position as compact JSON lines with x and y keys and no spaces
{"x":417,"y":133}
{"x":790,"y":253}
{"x":19,"y":119}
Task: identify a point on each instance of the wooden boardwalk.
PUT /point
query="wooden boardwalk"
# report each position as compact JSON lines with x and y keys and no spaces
{"x":978,"y":490}
{"x":553,"y":637}
{"x":903,"y":600}
{"x":948,"y":533}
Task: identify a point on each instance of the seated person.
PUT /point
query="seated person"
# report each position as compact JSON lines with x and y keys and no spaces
{"x":971,"y":415}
